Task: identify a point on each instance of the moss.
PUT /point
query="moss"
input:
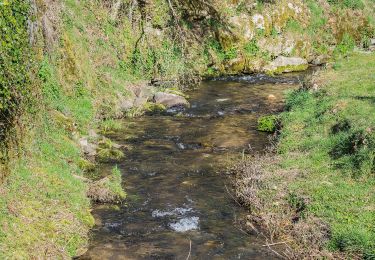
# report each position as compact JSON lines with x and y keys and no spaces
{"x":154,"y":108}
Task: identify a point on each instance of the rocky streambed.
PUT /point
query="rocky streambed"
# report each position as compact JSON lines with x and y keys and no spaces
{"x":179,"y":202}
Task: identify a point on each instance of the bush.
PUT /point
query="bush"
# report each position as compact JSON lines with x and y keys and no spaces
{"x":268,"y":123}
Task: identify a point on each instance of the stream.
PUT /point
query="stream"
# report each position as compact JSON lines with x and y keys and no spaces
{"x":179,"y":202}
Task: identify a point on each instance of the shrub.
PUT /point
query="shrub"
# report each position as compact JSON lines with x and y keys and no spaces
{"x":268,"y":123}
{"x":251,"y":48}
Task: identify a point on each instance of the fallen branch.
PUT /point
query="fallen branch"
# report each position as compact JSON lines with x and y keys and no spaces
{"x":276,"y":253}
{"x":275,"y":244}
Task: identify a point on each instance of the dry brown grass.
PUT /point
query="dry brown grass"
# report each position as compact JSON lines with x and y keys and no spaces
{"x":262,"y":187}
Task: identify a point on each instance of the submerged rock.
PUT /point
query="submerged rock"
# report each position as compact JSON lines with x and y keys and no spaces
{"x":286,"y":64}
{"x":106,"y":190}
{"x":170,"y":100}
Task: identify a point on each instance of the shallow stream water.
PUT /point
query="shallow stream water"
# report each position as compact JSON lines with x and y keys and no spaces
{"x":179,"y":204}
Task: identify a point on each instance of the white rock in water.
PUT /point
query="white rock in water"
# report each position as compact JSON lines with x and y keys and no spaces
{"x":185,"y":224}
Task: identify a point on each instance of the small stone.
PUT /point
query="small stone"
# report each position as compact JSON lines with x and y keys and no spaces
{"x":271,"y":97}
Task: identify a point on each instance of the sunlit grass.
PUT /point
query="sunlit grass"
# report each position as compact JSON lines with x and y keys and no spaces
{"x":333,"y":133}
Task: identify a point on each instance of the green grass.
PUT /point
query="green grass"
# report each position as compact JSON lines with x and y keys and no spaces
{"x":353,"y":4}
{"x":330,"y":135}
{"x":115,"y":184}
{"x":43,"y":207}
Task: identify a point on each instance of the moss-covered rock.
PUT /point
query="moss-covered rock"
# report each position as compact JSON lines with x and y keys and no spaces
{"x":109,"y":154}
{"x":286,"y":64}
{"x":154,"y":108}
{"x":86,"y":165}
{"x":108,"y":150}
{"x":108,"y":189}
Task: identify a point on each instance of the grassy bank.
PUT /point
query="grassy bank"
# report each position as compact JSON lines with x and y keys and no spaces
{"x":317,"y":193}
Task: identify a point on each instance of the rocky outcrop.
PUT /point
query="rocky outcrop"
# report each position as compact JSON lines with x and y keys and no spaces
{"x":170,"y":100}
{"x":278,"y":45}
{"x":286,"y":64}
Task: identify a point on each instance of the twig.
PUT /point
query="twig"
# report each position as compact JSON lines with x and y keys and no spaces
{"x":276,"y":253}
{"x":232,"y":196}
{"x":275,"y":244}
{"x":189,"y":251}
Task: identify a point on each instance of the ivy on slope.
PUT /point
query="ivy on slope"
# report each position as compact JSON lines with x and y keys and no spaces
{"x":15,"y":61}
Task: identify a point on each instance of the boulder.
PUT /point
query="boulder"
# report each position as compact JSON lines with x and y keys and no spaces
{"x":235,"y":66}
{"x":170,"y":100}
{"x":286,"y":64}
{"x":142,"y":95}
